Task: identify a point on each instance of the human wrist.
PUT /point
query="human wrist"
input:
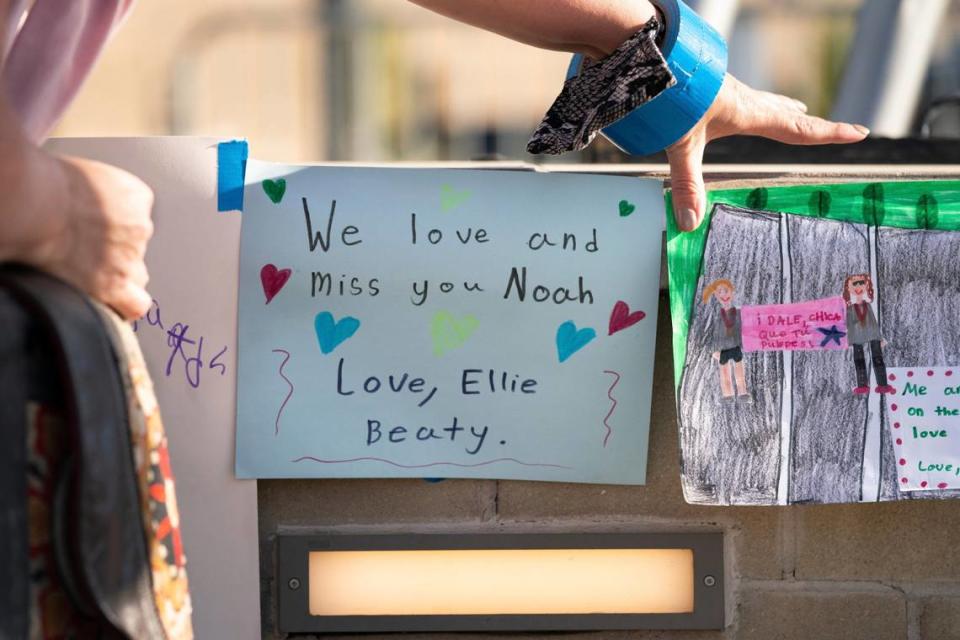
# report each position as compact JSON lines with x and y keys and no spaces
{"x":599,"y":93}
{"x":35,"y":203}
{"x":603,"y":36}
{"x":696,"y":56}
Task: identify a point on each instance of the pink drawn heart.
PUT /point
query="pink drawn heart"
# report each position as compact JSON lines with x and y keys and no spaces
{"x":621,"y":318}
{"x":273,"y":280}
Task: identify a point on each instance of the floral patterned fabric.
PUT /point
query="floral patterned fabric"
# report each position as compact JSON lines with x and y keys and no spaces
{"x":53,"y":614}
{"x":157,"y":495}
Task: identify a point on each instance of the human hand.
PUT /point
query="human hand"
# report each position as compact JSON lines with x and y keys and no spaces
{"x":88,"y":224}
{"x":738,"y":109}
{"x":716,"y":356}
{"x":107,"y":228}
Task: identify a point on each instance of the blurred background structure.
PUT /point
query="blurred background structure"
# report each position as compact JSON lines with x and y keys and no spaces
{"x":385,"y":80}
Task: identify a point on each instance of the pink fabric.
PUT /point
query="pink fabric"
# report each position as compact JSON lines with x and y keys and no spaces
{"x":51,"y":54}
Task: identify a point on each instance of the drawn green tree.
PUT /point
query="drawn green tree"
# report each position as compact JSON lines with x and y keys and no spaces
{"x":819,"y":203}
{"x":928,"y":211}
{"x":757,"y":199}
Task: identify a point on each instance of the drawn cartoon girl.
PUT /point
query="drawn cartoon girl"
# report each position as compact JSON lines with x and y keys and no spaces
{"x":863,"y":330}
{"x":727,"y":339}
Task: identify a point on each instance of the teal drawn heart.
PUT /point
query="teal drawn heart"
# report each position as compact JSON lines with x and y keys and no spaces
{"x":450,"y":197}
{"x":570,"y":340}
{"x":626,"y":208}
{"x":331,"y":334}
{"x":275,"y":189}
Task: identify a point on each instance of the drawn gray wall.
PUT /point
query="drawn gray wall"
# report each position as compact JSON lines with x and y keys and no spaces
{"x":731,"y":450}
{"x":827,"y":430}
{"x":919,"y":309}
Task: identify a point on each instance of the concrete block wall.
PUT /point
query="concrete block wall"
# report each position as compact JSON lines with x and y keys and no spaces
{"x":872,"y":571}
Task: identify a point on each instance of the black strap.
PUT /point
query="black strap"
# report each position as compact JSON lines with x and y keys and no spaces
{"x":15,"y":381}
{"x":108,"y":543}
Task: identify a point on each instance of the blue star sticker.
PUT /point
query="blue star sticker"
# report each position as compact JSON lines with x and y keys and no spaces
{"x":831,"y":334}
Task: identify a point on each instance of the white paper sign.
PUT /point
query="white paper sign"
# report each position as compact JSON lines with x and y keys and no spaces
{"x":414,"y":322}
{"x":925,"y":426}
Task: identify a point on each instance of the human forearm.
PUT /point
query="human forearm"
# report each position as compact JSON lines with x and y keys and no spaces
{"x":85,"y":222}
{"x":597,"y":28}
{"x":591,"y":27}
{"x":34,"y":189}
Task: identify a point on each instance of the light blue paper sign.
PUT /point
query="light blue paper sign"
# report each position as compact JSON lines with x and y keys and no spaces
{"x":446,"y":323}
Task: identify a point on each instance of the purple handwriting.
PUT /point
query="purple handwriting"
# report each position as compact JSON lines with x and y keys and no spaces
{"x":186,"y":352}
{"x":613,"y":406}
{"x":430,"y":464}
{"x":286,"y":358}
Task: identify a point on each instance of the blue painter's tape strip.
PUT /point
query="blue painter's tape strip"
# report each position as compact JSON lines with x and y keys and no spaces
{"x":231,"y":169}
{"x":697,"y":56}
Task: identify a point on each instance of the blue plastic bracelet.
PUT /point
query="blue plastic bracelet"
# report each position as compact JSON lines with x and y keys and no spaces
{"x":697,"y":57}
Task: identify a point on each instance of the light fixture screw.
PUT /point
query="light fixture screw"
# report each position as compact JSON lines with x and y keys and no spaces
{"x":294,"y":583}
{"x":707,"y":580}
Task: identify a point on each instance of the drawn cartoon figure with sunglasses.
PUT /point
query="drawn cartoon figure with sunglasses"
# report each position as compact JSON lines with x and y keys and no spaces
{"x":863,"y":331}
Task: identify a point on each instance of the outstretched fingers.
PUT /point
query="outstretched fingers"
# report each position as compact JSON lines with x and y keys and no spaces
{"x":780,"y":118}
{"x":686,"y":182}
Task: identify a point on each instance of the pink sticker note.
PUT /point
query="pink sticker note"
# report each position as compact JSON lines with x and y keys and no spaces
{"x":809,"y":325}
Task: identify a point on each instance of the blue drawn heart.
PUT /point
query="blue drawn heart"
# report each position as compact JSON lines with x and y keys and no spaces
{"x":570,"y":340}
{"x":330,"y":334}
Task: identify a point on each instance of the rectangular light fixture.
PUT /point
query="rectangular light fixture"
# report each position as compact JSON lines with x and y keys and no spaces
{"x":500,"y":582}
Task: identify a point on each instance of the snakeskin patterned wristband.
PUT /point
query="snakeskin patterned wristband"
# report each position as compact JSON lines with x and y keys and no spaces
{"x":603,"y":92}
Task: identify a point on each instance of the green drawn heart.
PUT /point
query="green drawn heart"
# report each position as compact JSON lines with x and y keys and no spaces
{"x":275,"y":189}
{"x":448,"y":333}
{"x":450,"y":197}
{"x":626,"y":208}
